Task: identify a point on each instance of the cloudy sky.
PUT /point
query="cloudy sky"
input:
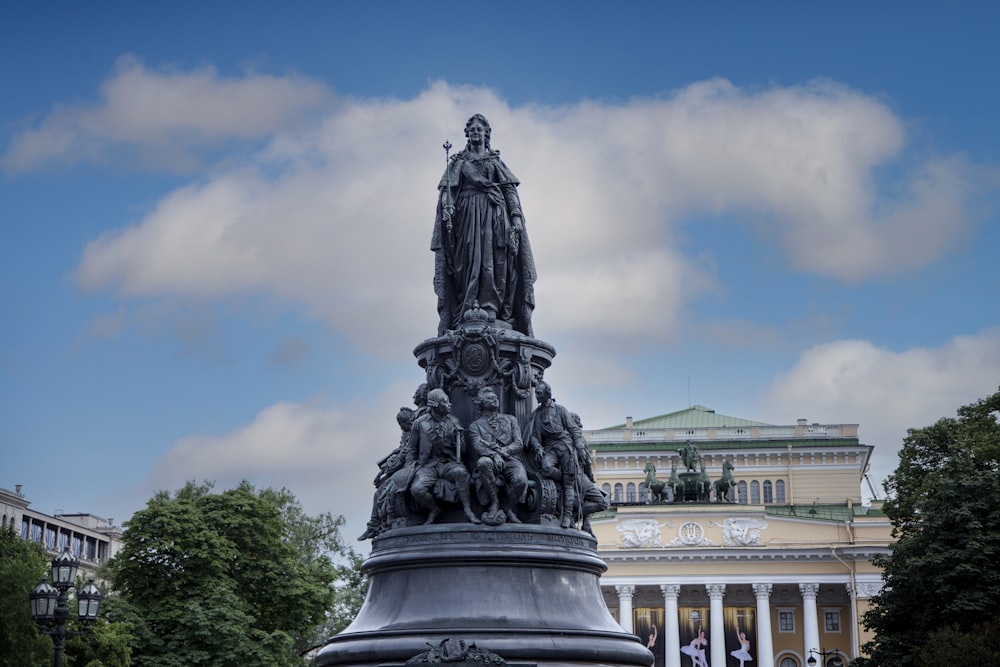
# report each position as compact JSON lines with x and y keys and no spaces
{"x":217,"y":220}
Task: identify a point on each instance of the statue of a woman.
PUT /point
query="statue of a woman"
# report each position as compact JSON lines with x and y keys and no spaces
{"x":480,"y":246}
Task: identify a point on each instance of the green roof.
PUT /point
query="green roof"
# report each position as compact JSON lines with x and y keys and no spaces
{"x":697,"y":416}
{"x":723,"y":443}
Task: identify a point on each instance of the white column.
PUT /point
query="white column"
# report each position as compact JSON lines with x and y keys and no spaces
{"x":671,"y":621}
{"x":810,"y":623}
{"x":625,"y":594}
{"x":854,"y":621}
{"x":765,"y":647}
{"x":717,"y":633}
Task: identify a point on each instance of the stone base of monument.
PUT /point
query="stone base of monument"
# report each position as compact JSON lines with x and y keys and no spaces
{"x":515,"y":594}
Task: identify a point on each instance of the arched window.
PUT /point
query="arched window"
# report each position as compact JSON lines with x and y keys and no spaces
{"x":755,"y":492}
{"x":779,"y":492}
{"x":619,"y":489}
{"x":643,"y":493}
{"x":606,"y":488}
{"x":788,"y":661}
{"x":742,"y":492}
{"x":630,"y":493}
{"x":768,"y":492}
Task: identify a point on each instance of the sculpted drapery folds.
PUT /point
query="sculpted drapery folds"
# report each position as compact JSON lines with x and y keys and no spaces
{"x":481,"y":249}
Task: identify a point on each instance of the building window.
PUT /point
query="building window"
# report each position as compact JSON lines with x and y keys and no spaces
{"x":742,"y":492}
{"x":786,"y":620}
{"x":779,"y":492}
{"x":50,"y":538}
{"x":768,"y":492}
{"x":630,"y":493}
{"x":788,"y":661}
{"x":643,"y":493}
{"x":831,"y":620}
{"x":618,"y":492}
{"x":755,"y":492}
{"x":606,"y":488}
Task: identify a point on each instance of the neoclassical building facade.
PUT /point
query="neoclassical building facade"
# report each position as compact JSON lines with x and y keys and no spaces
{"x":91,"y":539}
{"x":785,"y":558}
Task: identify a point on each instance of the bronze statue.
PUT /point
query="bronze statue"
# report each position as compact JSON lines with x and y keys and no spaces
{"x":481,"y":250}
{"x":440,"y":475}
{"x":657,"y":488}
{"x":689,"y":455}
{"x":554,"y":437}
{"x":393,"y":480}
{"x":675,"y":484}
{"x":590,"y":497}
{"x":722,"y":485}
{"x":495,"y":439}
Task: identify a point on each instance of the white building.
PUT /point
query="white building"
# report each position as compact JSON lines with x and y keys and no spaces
{"x":90,"y":538}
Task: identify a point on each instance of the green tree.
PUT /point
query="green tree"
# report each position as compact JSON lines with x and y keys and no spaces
{"x":107,"y":642}
{"x":226,"y":579}
{"x":317,"y":540}
{"x":941,"y":575}
{"x":22,"y":564}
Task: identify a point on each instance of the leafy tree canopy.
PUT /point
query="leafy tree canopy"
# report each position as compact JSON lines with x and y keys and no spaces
{"x":941,"y":576}
{"x":22,"y":564}
{"x":227,"y":579}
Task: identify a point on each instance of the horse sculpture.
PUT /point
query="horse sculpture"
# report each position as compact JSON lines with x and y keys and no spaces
{"x":655,"y":486}
{"x":722,"y":485}
{"x":675,"y":484}
{"x":704,"y":483}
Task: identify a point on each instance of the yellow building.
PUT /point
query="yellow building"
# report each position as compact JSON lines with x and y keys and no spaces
{"x":784,"y":558}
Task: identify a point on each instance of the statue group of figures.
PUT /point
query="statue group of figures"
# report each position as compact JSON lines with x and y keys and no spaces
{"x":692,"y":485}
{"x":491,"y":464}
{"x":499,"y":468}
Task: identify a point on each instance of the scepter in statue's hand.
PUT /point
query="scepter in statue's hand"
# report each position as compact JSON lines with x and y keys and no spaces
{"x":447,"y":208}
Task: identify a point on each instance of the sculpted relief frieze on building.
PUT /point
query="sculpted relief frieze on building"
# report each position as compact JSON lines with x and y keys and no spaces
{"x":647,"y":533}
{"x":741,"y":532}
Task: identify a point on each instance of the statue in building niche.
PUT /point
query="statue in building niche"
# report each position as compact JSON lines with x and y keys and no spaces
{"x":481,"y":250}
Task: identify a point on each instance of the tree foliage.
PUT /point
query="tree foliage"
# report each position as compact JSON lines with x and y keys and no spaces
{"x":941,"y":575}
{"x":22,"y":564}
{"x":227,"y":579}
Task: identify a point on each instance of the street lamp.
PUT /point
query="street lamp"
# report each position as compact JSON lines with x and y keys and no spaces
{"x":835,"y":661}
{"x":48,"y":602}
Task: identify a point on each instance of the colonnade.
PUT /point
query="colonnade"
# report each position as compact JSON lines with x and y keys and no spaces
{"x":764,"y":654}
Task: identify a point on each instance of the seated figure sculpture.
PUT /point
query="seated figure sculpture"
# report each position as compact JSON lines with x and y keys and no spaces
{"x":440,"y":476}
{"x":393,"y":480}
{"x":495,"y":439}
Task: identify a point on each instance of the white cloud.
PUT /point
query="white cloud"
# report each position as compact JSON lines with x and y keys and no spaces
{"x":325,"y":453}
{"x":338,"y":216}
{"x":884,"y":391}
{"x":162,"y":116}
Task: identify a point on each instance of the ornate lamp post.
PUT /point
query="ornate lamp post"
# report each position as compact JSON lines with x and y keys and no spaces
{"x":835,"y":661}
{"x":48,"y":602}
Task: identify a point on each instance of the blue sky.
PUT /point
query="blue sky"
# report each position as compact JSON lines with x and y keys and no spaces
{"x":217,"y":219}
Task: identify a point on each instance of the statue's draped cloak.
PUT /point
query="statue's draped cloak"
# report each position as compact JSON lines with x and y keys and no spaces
{"x":478,"y":259}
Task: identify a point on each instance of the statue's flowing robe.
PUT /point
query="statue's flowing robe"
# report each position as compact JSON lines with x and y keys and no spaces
{"x":477,"y":257}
